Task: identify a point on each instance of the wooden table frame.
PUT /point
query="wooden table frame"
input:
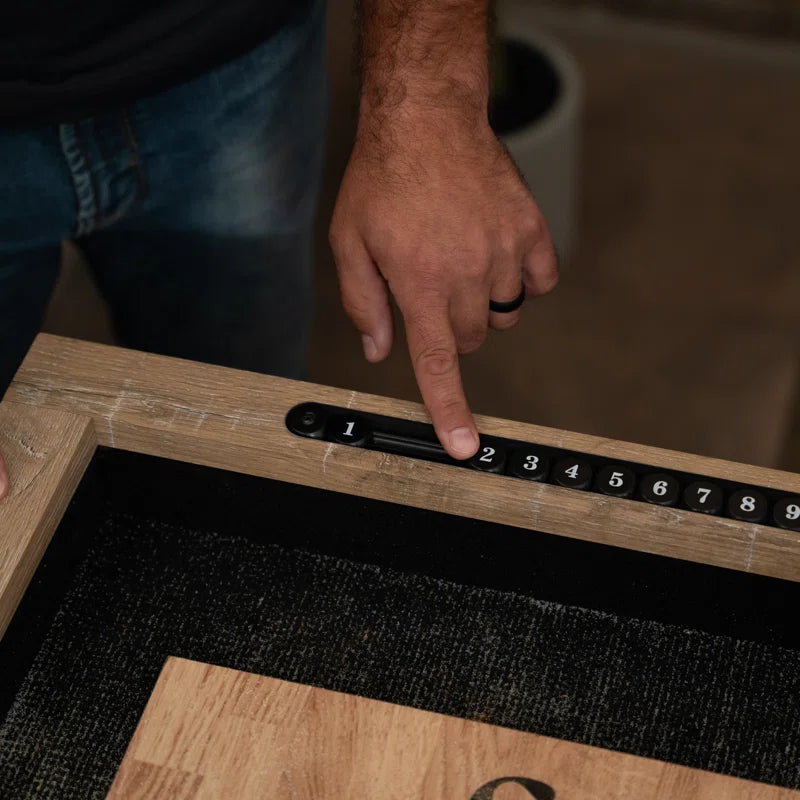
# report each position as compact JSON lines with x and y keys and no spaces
{"x":70,"y":396}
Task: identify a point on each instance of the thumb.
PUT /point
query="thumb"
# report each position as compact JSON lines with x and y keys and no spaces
{"x":365,"y":297}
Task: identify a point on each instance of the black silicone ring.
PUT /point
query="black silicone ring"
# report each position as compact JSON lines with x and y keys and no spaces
{"x":508,"y":307}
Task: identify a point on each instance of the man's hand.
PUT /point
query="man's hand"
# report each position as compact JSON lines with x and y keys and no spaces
{"x":3,"y":478}
{"x":431,"y":208}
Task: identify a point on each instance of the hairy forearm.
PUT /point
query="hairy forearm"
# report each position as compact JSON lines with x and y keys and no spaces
{"x":425,"y":55}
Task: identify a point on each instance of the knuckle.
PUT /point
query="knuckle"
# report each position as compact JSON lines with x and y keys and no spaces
{"x":550,"y":282}
{"x":533,"y":226}
{"x":355,"y":307}
{"x":422,"y":283}
{"x":545,"y":280}
{"x":476,"y":267}
{"x":507,"y":241}
{"x":429,"y":277}
{"x":536,"y":224}
{"x":484,"y":255}
{"x":436,"y":360}
{"x":473,"y":252}
{"x":471,"y":340}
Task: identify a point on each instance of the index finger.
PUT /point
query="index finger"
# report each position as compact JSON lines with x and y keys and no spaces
{"x":3,"y":478}
{"x":434,"y":355}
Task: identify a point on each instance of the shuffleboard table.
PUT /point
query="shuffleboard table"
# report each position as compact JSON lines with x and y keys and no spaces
{"x":217,"y":584}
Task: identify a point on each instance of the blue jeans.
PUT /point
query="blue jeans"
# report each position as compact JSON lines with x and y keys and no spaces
{"x":194,"y":207}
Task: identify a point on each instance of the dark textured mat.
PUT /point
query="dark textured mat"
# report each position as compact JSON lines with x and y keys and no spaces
{"x":147,"y":587}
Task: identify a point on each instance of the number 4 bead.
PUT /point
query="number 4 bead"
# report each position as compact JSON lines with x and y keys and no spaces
{"x":573,"y":473}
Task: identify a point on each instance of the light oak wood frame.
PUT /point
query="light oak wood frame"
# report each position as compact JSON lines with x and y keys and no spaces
{"x":70,"y":396}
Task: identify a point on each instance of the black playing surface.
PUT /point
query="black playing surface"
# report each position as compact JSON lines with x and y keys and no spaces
{"x":647,"y":655}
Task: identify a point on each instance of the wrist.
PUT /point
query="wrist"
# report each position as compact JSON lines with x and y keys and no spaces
{"x":414,"y":95}
{"x":421,"y":112}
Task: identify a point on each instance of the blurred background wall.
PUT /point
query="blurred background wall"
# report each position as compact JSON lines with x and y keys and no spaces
{"x":779,"y":18}
{"x":677,"y":320}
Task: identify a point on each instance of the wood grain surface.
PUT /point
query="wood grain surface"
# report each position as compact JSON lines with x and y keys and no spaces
{"x":210,"y":732}
{"x":46,"y":452}
{"x":235,"y":420}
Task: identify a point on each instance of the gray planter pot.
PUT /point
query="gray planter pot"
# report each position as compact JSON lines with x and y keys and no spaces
{"x":538,"y":118}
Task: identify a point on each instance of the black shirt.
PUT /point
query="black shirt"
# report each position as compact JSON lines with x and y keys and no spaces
{"x":64,"y":59}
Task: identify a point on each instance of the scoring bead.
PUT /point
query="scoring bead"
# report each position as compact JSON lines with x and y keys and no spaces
{"x":660,"y":489}
{"x":703,"y":497}
{"x":351,"y":430}
{"x":615,"y":480}
{"x":573,"y":473}
{"x":748,"y":505}
{"x":491,"y":456}
{"x":528,"y":463}
{"x":787,"y":513}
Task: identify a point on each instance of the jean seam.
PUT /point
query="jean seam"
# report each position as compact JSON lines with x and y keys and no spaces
{"x":81,"y":139}
{"x":134,"y":163}
{"x":83,"y":183}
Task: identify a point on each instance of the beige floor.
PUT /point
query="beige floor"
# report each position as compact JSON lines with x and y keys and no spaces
{"x":678,"y":324}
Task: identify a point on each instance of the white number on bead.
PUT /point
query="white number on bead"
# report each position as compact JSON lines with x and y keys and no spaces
{"x":748,"y":504}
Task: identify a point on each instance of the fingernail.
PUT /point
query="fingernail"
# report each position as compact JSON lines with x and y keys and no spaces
{"x":370,"y":348}
{"x":463,"y":441}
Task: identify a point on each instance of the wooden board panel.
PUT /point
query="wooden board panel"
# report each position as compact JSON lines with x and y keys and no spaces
{"x":235,"y":420}
{"x":46,"y":452}
{"x":210,"y":732}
